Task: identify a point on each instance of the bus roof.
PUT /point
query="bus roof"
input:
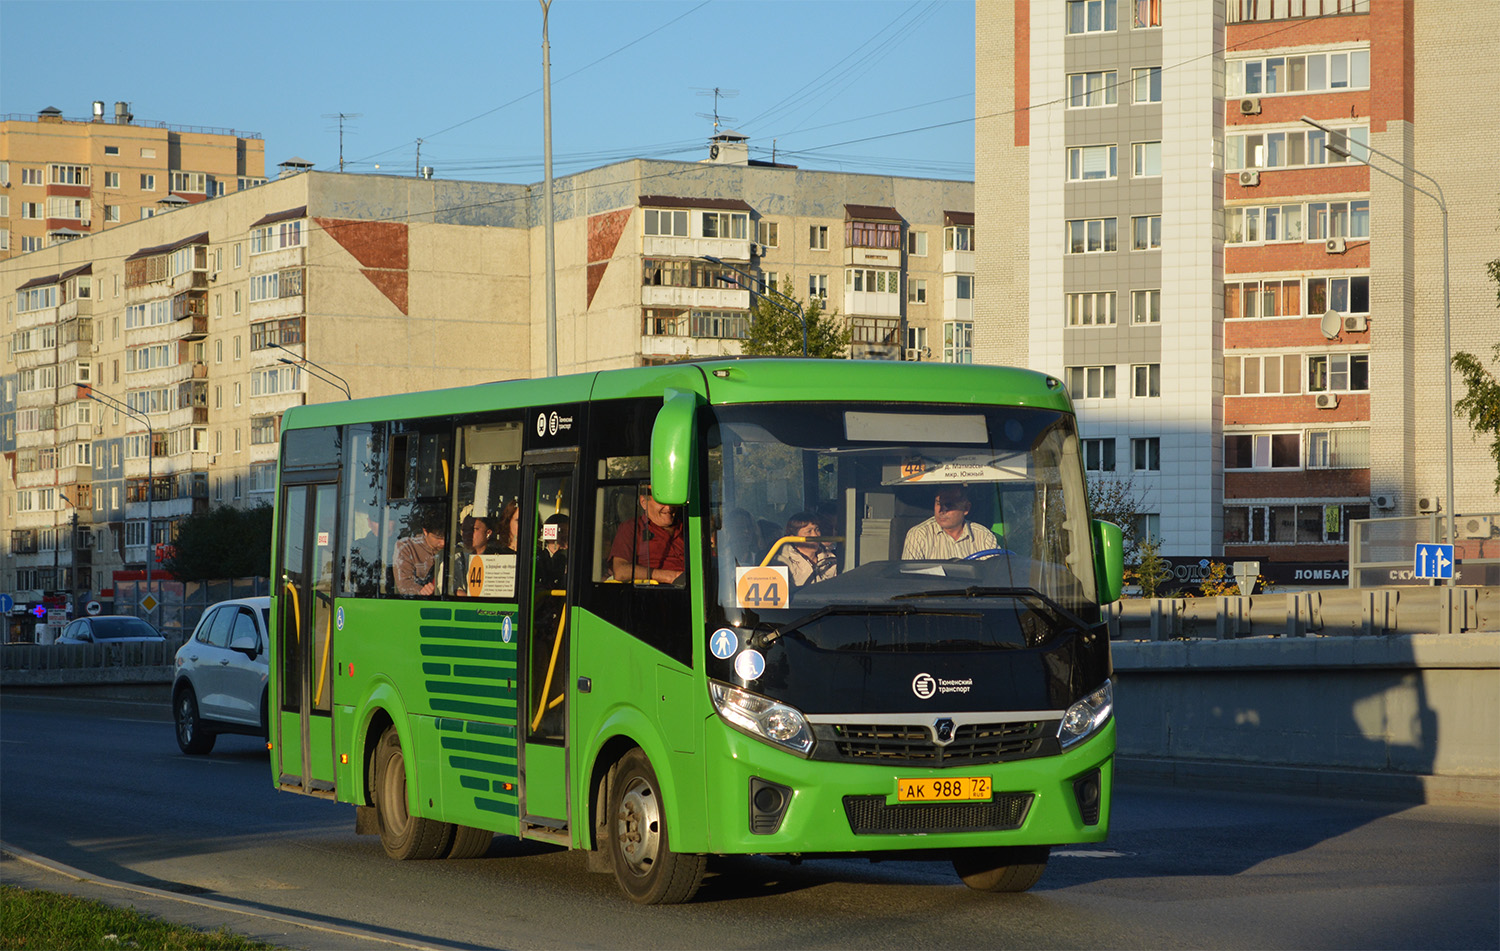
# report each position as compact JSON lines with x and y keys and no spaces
{"x":721,"y":381}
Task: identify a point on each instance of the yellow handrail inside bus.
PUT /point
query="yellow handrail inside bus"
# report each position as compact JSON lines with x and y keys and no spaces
{"x":542,"y":706}
{"x":797,"y":540}
{"x":323,"y":665}
{"x":296,"y":612}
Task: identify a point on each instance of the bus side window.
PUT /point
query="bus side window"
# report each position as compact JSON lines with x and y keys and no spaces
{"x":482,"y":544}
{"x":363,"y":570}
{"x":416,"y":523}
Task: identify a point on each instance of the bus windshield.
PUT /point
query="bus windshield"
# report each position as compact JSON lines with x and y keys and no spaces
{"x":912,"y":527}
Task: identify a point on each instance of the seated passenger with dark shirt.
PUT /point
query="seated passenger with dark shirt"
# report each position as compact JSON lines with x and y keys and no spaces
{"x":649,"y":547}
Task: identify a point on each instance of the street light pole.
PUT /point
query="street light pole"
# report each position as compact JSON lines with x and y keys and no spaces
{"x":1447,"y":311}
{"x":767,"y":291}
{"x":316,"y":369}
{"x":551,"y":279}
{"x":88,"y":392}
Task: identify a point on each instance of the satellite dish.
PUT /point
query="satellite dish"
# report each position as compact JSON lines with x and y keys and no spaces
{"x":1331,"y":324}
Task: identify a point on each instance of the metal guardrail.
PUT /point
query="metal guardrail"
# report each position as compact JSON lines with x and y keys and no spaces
{"x":1332,"y":612}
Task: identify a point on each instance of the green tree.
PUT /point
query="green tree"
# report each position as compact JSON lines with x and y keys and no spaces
{"x":1114,"y":500}
{"x":1482,"y":403}
{"x":1152,"y":570}
{"x":223,"y":542}
{"x":776,"y":328}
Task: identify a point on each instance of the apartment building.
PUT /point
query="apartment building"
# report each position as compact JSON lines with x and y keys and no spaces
{"x":63,"y":178}
{"x":147,"y":366}
{"x":1247,"y":310}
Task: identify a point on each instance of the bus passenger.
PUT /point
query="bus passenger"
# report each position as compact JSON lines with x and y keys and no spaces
{"x":948,"y":534}
{"x":510,"y":527}
{"x":807,"y":563}
{"x":475,"y":537}
{"x":419,"y":567}
{"x":552,"y":557}
{"x":649,"y":547}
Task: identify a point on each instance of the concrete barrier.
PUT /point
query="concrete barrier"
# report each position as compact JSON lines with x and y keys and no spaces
{"x":1412,"y":717}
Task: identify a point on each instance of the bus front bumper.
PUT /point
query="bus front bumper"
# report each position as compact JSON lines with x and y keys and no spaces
{"x":764,"y":800}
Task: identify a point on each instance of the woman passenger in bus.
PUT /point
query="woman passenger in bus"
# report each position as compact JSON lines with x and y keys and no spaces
{"x":509,"y":524}
{"x":475,"y":537}
{"x":807,"y":563}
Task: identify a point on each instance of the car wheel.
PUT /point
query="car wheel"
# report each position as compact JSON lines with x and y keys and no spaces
{"x":191,"y":735}
{"x":469,"y":842}
{"x":402,"y":835}
{"x":648,"y":871}
{"x":1009,"y":869}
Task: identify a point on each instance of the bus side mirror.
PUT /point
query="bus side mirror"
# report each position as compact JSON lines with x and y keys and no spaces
{"x":1109,"y":560}
{"x":672,"y":447}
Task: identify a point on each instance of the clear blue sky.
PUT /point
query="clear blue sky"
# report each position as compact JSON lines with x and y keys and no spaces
{"x":882,"y":86}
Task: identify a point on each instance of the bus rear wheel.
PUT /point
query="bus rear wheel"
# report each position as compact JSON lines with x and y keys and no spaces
{"x":648,"y":871}
{"x":1006,"y":869}
{"x":402,"y":835}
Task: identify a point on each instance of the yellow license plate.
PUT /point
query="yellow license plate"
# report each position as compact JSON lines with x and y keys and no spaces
{"x":947,"y":789}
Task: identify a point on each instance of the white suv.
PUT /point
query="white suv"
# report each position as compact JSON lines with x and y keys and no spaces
{"x":221,"y":675}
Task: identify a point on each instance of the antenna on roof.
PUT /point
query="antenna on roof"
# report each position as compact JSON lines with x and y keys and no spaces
{"x":718,"y":94}
{"x":342,"y":117}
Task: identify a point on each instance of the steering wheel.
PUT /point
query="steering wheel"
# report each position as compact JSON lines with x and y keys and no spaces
{"x":986,"y":553}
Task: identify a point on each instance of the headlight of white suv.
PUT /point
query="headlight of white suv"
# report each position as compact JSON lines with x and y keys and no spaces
{"x":762,"y":717}
{"x":1087,"y":716}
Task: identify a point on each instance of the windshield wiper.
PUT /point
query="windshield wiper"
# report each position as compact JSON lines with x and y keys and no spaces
{"x":792,"y":629}
{"x":980,"y":591}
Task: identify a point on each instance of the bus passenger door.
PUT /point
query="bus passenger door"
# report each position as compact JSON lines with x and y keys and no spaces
{"x":543,"y":545}
{"x":304,"y":631}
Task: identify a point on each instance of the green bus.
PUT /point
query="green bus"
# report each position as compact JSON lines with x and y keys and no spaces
{"x":792,"y":608}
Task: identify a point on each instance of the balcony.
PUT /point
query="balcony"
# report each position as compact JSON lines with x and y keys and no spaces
{"x":874,"y":257}
{"x":664,"y":246}
{"x":192,"y":327}
{"x":958,"y":262}
{"x":706,"y":298}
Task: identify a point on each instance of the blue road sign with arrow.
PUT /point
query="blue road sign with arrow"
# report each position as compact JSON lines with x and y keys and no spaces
{"x":1434,"y":561}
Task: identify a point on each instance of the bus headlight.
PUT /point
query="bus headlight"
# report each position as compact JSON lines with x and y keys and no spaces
{"x":762,"y":717}
{"x":1085,"y":717}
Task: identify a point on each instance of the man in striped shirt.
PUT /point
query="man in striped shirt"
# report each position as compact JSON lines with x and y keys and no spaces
{"x":948,"y":534}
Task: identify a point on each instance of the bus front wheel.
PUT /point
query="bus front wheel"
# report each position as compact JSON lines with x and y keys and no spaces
{"x":1009,"y":869}
{"x":648,"y":871}
{"x":402,"y":835}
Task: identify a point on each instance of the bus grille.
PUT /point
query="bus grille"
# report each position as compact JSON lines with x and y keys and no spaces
{"x":871,"y":815}
{"x":909,"y":744}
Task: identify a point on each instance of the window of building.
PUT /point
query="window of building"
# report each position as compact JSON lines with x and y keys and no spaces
{"x":1262,"y":374}
{"x":1147,"y":14}
{"x":1311,"y":72}
{"x":31,"y":243}
{"x":1091,"y":309}
{"x":1145,"y":454}
{"x":958,"y":238}
{"x":672,"y":224}
{"x":1091,"y":16}
{"x":1146,"y":380}
{"x":111,"y":150}
{"x":4,"y":239}
{"x":1091,"y":163}
{"x":111,"y":179}
{"x":963,"y":287}
{"x":1347,"y":295}
{"x":817,"y":237}
{"x":69,"y":174}
{"x":236,"y":300}
{"x":276,"y":237}
{"x":1092,"y":90}
{"x":1295,"y":148}
{"x":1146,"y":84}
{"x":817,"y":286}
{"x":1307,"y":523}
{"x":916,"y":243}
{"x":1091,"y":383}
{"x":1338,"y":373}
{"x":1271,"y":298}
{"x":1262,"y":450}
{"x":31,"y":176}
{"x":1091,"y":235}
{"x":111,"y":212}
{"x":1146,"y":159}
{"x":916,"y":339}
{"x":1145,"y":307}
{"x":1338,"y":448}
{"x":148,"y":182}
{"x":1338,"y":219}
{"x":1099,"y":455}
{"x":873,"y":234}
{"x":958,"y":341}
{"x":148,"y":213}
{"x":1145,"y":233}
{"x":916,"y":290}
{"x":768,"y":233}
{"x":726,"y":224}
{"x":1245,"y":11}
{"x":1254,"y":224}
{"x":194,"y":182}
{"x":237,"y":402}
{"x":32,"y":209}
{"x":872,"y":281}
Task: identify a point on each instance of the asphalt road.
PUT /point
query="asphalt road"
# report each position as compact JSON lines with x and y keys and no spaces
{"x":100,"y":787}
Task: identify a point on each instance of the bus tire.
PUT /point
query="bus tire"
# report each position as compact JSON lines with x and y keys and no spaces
{"x":402,"y":835}
{"x":192,"y":738}
{"x":1003,"y":869}
{"x":648,"y":871}
{"x":469,"y":842}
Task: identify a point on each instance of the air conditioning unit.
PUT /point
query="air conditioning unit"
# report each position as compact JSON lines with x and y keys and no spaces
{"x":85,"y":223}
{"x":1326,"y":400}
{"x":1250,"y":106}
{"x":1356,"y":323}
{"x":1384,"y":501}
{"x":1249,"y":179}
{"x":1475,"y":526}
{"x":1429,"y":504}
{"x":1335,"y":246}
{"x":914,"y":353}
